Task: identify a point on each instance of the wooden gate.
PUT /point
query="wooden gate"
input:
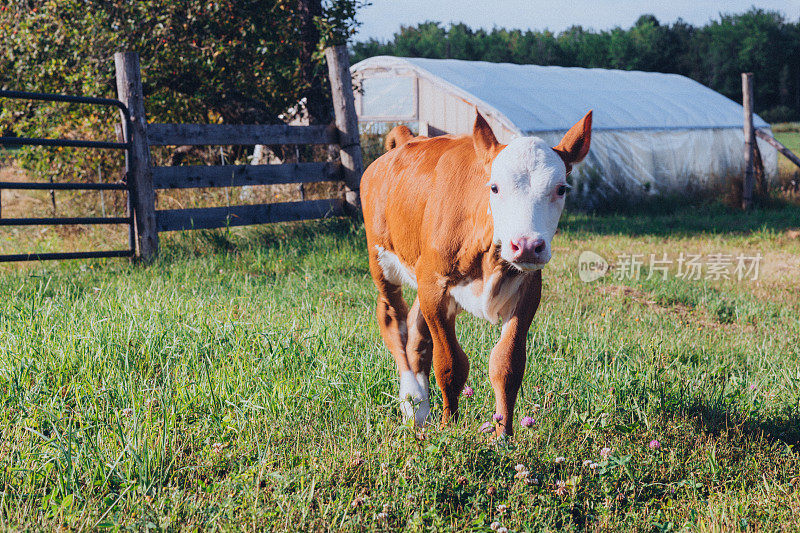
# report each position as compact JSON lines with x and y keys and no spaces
{"x":146,"y":179}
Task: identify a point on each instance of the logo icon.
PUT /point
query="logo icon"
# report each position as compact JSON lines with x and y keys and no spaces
{"x":591,"y":266}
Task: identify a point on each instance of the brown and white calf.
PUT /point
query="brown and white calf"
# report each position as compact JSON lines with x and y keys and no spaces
{"x":468,"y":222}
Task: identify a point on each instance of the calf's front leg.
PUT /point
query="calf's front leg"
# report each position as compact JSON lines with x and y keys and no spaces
{"x":450,"y":363}
{"x":507,"y":360}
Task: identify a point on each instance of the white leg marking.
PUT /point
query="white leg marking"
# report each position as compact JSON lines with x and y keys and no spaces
{"x":424,"y":408}
{"x":414,"y":401}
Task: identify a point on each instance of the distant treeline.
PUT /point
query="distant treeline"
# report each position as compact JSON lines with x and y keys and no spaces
{"x":758,"y":41}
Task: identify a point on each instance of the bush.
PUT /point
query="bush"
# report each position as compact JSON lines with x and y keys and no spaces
{"x":780,"y":113}
{"x":786,"y":127}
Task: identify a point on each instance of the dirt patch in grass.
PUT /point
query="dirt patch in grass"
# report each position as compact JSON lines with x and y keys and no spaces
{"x":643,"y":297}
{"x":782,"y":268}
{"x":627,"y":292}
{"x":779,"y":279}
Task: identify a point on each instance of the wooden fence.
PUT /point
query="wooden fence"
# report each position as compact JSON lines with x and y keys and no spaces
{"x":145,"y":179}
{"x":753,"y":165}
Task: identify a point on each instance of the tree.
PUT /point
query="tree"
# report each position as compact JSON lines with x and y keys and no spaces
{"x":757,"y":41}
{"x":715,"y":54}
{"x":233,"y":61}
{"x":643,"y":47}
{"x":581,"y":48}
{"x":425,"y":40}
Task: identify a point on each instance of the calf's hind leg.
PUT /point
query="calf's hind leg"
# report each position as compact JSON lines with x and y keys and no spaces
{"x":392,"y":316}
{"x":419,"y":349}
{"x":392,"y":312}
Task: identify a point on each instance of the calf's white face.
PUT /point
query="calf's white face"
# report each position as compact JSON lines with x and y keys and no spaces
{"x":527,"y":187}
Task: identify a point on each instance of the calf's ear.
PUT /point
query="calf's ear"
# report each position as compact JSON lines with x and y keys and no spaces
{"x":575,"y":144}
{"x":486,"y":145}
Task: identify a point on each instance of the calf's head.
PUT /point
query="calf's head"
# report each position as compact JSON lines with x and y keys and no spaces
{"x":527,"y":185}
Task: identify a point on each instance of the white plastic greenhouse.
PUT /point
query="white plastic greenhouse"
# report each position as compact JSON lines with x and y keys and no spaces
{"x":652,"y":132}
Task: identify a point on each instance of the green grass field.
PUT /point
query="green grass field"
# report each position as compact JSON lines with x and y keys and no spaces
{"x":240,"y":383}
{"x":789,"y":135}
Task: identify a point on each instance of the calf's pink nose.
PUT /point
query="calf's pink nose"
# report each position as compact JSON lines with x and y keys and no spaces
{"x":527,"y":249}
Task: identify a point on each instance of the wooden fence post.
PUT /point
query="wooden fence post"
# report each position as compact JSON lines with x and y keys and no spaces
{"x":137,"y":159}
{"x":344,"y":109}
{"x":749,"y":140}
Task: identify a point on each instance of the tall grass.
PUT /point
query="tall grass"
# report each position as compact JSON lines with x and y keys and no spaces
{"x":241,"y":382}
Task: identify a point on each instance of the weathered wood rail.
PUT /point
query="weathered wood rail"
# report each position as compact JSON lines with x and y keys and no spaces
{"x":788,"y":154}
{"x":231,"y":134}
{"x":194,"y":176}
{"x":146,"y":179}
{"x":246,"y":215}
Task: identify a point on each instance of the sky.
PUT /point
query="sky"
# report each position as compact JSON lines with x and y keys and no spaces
{"x":384,"y":17}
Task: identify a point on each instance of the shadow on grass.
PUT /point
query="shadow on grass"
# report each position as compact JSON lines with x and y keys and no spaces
{"x":714,"y":420}
{"x":271,"y":236}
{"x":683,"y":220}
{"x":263,"y":237}
{"x":716,"y":413}
{"x":664,"y":219}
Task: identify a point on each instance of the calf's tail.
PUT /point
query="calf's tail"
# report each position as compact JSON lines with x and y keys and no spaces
{"x":399,"y":136}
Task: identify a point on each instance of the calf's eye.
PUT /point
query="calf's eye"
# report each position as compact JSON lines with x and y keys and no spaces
{"x":562,"y":190}
{"x":493,"y":188}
